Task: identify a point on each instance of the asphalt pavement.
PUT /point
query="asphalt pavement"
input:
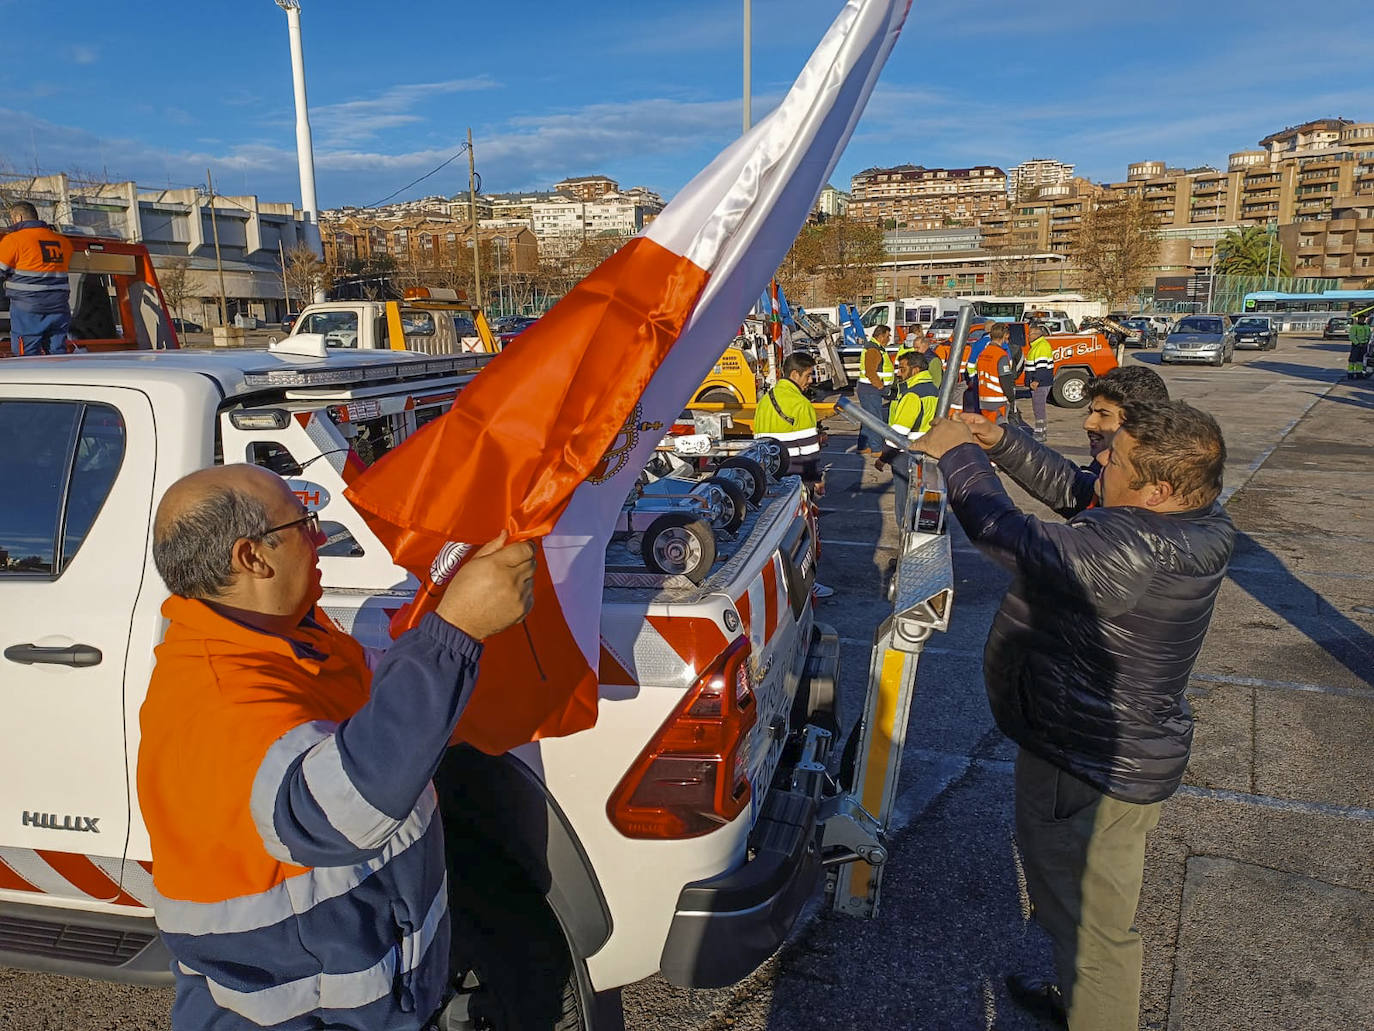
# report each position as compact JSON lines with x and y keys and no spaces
{"x":1258,"y":907}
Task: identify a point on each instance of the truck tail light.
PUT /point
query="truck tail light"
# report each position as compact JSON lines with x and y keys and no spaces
{"x":694,"y":775}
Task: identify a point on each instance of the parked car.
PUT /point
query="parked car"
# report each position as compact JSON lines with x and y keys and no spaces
{"x":1200,"y":338}
{"x":1140,"y":332}
{"x":1256,"y":331}
{"x":1054,"y":324}
{"x":182,"y":326}
{"x":508,"y":327}
{"x":1163,"y":324}
{"x":1337,"y":328}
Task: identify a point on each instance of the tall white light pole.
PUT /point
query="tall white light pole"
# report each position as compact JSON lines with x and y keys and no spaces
{"x":748,"y":59}
{"x":305,"y":149}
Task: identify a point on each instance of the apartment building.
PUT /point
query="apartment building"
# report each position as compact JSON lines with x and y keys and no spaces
{"x":1047,"y":220}
{"x":1298,"y":179}
{"x":917,"y":198}
{"x":423,"y":241}
{"x":832,"y":203}
{"x":1025,"y":179}
{"x":587,"y":187}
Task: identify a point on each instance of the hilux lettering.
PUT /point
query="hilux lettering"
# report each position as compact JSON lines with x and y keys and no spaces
{"x":55,"y":822}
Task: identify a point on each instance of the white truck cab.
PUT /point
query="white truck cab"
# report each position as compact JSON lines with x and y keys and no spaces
{"x":432,"y":322}
{"x":675,"y":835}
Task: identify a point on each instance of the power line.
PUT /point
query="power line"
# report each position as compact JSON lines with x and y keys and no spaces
{"x":461,"y":151}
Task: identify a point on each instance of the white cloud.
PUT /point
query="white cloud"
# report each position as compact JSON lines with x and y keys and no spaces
{"x":84,"y":53}
{"x":362,"y":118}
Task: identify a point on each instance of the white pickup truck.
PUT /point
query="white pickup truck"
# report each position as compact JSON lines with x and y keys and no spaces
{"x":430,"y":324}
{"x":679,"y":834}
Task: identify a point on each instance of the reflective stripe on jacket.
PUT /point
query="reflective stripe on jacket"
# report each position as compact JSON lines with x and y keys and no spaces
{"x":785,"y":414}
{"x":298,"y":854}
{"x":915,"y":410}
{"x":1040,"y":363}
{"x":990,"y":361}
{"x":1359,"y":335}
{"x":887,"y":372}
{"x":34,"y":259}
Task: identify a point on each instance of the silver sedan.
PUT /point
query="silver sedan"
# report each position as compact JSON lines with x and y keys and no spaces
{"x":1200,"y":338}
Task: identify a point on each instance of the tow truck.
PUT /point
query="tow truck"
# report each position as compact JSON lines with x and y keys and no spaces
{"x":430,"y":320}
{"x":116,"y":301}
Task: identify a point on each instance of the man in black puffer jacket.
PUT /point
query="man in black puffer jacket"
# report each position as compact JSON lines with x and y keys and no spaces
{"x":1086,"y":666}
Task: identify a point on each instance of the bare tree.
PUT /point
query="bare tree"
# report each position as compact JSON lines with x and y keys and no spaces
{"x":849,"y":255}
{"x":305,"y":273}
{"x":1117,"y":246}
{"x":175,"y":280}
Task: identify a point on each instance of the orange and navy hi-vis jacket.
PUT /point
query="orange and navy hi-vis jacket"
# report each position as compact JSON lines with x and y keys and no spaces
{"x":992,"y":363}
{"x":298,"y":856}
{"x":34,"y":258}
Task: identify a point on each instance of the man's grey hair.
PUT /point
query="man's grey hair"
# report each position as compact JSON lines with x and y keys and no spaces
{"x":23,"y":211}
{"x":193,"y":552}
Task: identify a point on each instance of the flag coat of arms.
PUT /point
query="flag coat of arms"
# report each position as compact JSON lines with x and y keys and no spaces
{"x":548,"y":440}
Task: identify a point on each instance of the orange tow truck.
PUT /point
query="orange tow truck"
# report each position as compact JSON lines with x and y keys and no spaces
{"x":117,"y":304}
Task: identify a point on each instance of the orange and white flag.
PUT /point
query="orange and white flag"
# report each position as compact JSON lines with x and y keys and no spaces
{"x":547,"y":441}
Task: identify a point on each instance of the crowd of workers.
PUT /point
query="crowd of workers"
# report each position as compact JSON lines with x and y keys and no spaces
{"x":1091,"y":650}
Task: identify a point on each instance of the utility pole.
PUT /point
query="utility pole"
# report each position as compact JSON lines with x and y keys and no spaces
{"x":472,"y":207}
{"x":219,"y":262}
{"x":748,"y":58}
{"x":285,"y":289}
{"x":1269,"y":250}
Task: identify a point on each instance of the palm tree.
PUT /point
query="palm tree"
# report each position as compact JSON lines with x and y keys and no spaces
{"x":1252,"y":252}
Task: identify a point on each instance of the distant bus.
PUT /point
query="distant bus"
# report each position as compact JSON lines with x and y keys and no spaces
{"x":1013,"y":309}
{"x":1328,"y":302}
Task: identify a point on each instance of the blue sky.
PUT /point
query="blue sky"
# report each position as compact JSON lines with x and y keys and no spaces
{"x":647,"y":92}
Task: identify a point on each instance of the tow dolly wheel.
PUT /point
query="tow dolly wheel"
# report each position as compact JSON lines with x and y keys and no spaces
{"x":749,"y":474}
{"x":679,"y":544}
{"x":776,"y":456}
{"x":729,"y":500}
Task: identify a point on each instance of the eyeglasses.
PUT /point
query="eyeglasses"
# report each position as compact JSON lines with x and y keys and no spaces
{"x":311,"y":522}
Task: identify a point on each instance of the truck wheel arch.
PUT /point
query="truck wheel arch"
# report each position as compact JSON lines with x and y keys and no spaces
{"x":504,"y":808}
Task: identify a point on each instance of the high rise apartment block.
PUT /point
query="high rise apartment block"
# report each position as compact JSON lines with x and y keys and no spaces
{"x":915,"y":197}
{"x":1025,"y":179}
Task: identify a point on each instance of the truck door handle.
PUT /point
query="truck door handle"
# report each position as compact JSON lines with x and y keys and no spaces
{"x":65,"y":655}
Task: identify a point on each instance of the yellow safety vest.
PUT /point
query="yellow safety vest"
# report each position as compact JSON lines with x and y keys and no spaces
{"x":785,"y":414}
{"x":915,"y":409}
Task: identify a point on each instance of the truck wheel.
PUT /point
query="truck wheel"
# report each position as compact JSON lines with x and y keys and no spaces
{"x":750,"y":475}
{"x":678,"y":544}
{"x":1070,"y":389}
{"x":719,"y":396}
{"x":510,"y":961}
{"x":731,"y":499}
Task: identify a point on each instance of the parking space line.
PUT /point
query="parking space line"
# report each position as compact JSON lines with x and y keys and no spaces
{"x":1347,"y":812}
{"x":1263,"y":456}
{"x":1285,"y":685}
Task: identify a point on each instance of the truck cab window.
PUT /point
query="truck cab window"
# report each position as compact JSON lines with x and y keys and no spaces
{"x":57,"y":482}
{"x":340,"y":328}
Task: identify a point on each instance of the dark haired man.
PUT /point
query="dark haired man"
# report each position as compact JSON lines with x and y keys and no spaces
{"x":912,"y":415}
{"x":1108,"y":397}
{"x":1086,"y":665}
{"x":786,"y":414}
